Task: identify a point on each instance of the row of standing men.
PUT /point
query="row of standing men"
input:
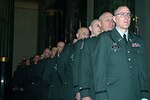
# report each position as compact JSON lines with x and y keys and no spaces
{"x":51,"y":78}
{"x":91,"y":67}
{"x":27,"y":81}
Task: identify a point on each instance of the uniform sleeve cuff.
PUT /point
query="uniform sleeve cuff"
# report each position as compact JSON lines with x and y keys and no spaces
{"x":85,"y":93}
{"x":76,"y":89}
{"x":145,"y":95}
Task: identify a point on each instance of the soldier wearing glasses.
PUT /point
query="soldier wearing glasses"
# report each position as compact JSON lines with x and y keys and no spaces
{"x":118,"y":64}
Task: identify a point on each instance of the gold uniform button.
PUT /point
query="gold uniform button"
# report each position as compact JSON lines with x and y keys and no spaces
{"x":80,"y":88}
{"x":129,"y":59}
{"x":108,"y":83}
{"x":130,"y":67}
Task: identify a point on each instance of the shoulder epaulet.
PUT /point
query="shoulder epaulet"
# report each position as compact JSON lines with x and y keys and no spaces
{"x":82,"y":45}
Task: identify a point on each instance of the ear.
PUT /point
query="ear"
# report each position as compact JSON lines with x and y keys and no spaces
{"x":114,"y":19}
{"x":77,"y":35}
{"x":90,"y":28}
{"x":100,"y":23}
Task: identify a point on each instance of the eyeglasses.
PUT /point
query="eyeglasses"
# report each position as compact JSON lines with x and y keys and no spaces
{"x":122,"y":15}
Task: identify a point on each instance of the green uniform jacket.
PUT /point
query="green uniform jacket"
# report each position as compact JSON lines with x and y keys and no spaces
{"x":119,"y":68}
{"x":53,"y":79}
{"x":76,"y":63}
{"x":86,"y":73}
{"x":19,"y":80}
{"x":65,"y":71}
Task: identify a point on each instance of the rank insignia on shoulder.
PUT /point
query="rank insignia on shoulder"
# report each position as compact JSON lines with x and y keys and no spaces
{"x":82,"y":45}
{"x":136,"y":45}
{"x":115,"y":47}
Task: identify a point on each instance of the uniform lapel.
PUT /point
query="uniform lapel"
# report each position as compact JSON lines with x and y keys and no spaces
{"x":116,"y":37}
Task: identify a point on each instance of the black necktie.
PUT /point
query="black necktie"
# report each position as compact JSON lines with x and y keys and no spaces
{"x":125,"y":39}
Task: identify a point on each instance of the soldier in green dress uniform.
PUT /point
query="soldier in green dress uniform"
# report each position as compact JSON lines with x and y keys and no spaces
{"x":119,"y":67}
{"x":82,"y":33}
{"x":52,"y":78}
{"x":65,"y":71}
{"x":86,"y":73}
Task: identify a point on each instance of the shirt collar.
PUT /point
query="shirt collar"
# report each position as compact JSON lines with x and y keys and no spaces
{"x":121,"y":33}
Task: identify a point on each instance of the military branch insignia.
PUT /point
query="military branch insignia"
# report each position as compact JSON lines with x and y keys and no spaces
{"x":115,"y":47}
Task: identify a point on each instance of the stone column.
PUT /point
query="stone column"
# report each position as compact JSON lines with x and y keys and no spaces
{"x":90,"y":11}
{"x":6,"y":47}
{"x":72,"y":19}
{"x":41,"y":26}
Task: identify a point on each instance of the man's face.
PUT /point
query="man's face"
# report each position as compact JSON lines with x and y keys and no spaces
{"x":60,"y":47}
{"x":107,"y":22}
{"x":54,"y":51}
{"x":47,"y":53}
{"x":83,"y":33}
{"x":36,"y":58}
{"x":95,"y":28}
{"x":122,"y":18}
